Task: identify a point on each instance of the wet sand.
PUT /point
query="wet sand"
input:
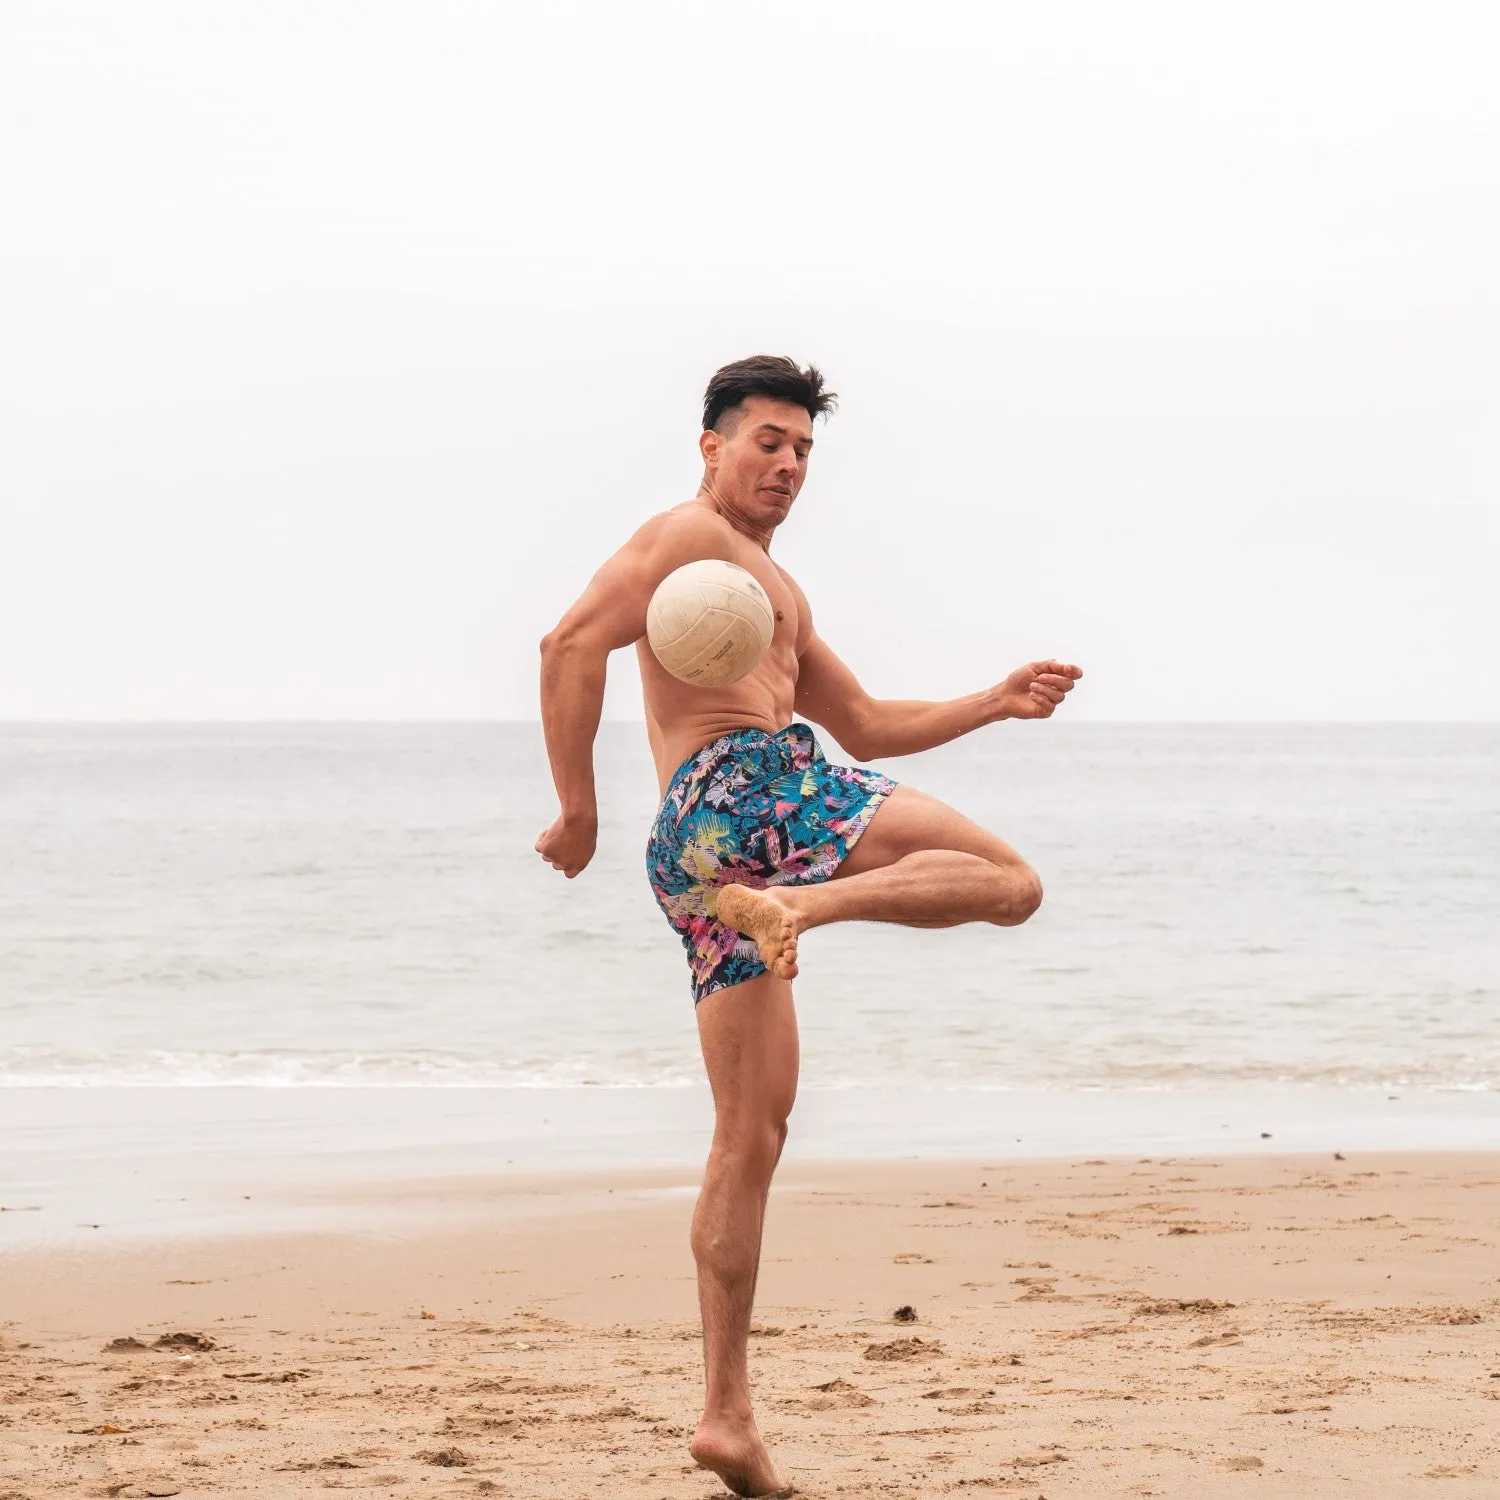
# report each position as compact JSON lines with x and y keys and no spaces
{"x":1213,"y":1326}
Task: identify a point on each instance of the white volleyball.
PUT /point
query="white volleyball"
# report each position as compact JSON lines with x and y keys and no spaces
{"x":710,"y":622}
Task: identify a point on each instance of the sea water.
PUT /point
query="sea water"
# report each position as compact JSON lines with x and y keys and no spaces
{"x":297,"y":904}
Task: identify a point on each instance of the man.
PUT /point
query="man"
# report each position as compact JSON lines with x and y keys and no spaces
{"x":759,"y":837}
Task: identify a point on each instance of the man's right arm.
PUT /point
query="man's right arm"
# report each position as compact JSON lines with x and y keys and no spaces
{"x":610,"y":613}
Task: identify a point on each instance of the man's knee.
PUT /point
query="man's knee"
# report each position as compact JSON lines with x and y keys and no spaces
{"x":1023,"y":898}
{"x":750,"y":1147}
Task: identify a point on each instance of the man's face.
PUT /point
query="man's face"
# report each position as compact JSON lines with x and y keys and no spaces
{"x":759,"y":461}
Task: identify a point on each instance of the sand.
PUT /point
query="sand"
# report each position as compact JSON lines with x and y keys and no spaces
{"x":1290,"y":1326}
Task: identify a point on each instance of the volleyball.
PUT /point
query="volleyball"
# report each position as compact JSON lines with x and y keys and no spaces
{"x":710,"y":623}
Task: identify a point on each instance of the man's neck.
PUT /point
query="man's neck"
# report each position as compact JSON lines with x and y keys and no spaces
{"x":726,"y":508}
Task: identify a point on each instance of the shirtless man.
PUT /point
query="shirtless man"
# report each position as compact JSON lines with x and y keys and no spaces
{"x":759,"y":838}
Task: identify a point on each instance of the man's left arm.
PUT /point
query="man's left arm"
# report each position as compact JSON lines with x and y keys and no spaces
{"x":874,"y":728}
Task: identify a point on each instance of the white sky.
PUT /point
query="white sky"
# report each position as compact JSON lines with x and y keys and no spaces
{"x":339,"y":343}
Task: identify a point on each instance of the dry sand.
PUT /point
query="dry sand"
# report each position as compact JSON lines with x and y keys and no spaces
{"x":1203,"y":1327}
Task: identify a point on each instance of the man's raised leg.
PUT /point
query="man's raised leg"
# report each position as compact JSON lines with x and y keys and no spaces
{"x":749,"y":1037}
{"x":919,"y":863}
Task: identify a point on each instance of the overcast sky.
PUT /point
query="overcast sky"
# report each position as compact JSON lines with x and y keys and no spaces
{"x":339,"y":343}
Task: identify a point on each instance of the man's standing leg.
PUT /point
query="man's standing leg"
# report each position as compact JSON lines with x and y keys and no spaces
{"x":749,"y":1038}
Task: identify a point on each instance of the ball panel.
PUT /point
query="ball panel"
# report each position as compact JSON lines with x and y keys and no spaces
{"x":673,"y":613}
{"x":743,"y":597}
{"x":721,"y":651}
{"x":707,"y":629}
{"x":761,"y":617}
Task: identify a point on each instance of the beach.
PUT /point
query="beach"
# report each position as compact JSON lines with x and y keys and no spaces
{"x":381,"y":1143}
{"x":1220,"y":1324}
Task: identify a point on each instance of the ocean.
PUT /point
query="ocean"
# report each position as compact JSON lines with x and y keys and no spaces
{"x":254,"y":976}
{"x":288,"y":905}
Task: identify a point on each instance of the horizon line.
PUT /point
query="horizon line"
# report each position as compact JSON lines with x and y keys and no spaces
{"x":8,"y":722}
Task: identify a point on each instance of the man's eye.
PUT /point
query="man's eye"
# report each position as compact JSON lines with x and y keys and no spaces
{"x":768,"y":447}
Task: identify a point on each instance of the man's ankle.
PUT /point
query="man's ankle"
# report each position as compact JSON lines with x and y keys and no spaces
{"x":736,"y":1413}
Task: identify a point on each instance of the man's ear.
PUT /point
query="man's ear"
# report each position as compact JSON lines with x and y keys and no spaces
{"x":710,"y":445}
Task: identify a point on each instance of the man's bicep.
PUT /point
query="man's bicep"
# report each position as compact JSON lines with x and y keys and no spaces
{"x":611,"y":611}
{"x":829,"y":693}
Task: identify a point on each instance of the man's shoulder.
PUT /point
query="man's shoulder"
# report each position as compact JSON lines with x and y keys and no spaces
{"x":690,"y":519}
{"x":688,"y":529}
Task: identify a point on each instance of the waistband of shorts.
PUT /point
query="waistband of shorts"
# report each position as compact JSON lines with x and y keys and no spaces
{"x":737,"y":741}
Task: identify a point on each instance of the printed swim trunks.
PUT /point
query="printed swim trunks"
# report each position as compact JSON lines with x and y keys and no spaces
{"x":752,"y":809}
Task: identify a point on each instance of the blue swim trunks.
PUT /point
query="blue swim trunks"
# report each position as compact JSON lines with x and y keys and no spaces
{"x":752,"y":809}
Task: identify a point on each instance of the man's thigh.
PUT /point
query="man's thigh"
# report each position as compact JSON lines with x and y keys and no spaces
{"x":909,"y":821}
{"x":748,"y":1033}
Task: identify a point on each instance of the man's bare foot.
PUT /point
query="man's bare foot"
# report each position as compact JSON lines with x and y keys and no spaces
{"x":734,"y":1451}
{"x":767,"y":917}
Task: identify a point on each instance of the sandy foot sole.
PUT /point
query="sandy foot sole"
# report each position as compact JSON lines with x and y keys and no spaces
{"x":760,"y":916}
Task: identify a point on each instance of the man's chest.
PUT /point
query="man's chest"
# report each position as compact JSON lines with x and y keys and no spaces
{"x":782,"y":592}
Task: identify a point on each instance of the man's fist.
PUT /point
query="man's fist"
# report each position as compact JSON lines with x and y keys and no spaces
{"x":1033,"y":691}
{"x":568,"y":845}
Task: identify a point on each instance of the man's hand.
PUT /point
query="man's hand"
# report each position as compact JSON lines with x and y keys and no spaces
{"x":568,"y":845}
{"x":1033,"y":691}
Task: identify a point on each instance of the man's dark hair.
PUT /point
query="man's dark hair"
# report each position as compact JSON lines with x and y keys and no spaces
{"x":772,"y":375}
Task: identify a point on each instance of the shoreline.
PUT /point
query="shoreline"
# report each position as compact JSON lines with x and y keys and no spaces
{"x":132,"y":1162}
{"x":1225,"y":1324}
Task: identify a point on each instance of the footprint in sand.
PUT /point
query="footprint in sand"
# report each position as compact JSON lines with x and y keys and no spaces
{"x":898,"y":1349}
{"x":832,"y":1395}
